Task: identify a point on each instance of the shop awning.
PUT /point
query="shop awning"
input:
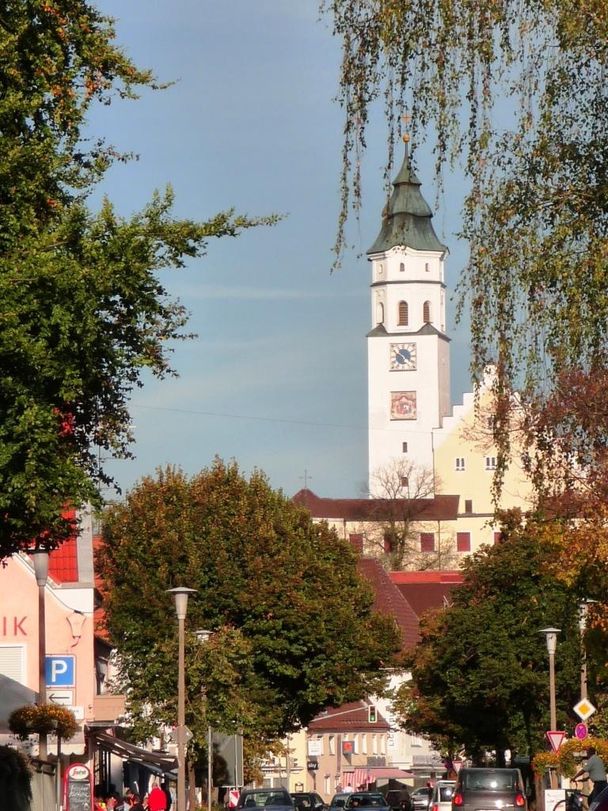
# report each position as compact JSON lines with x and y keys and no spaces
{"x":12,"y":696}
{"x":160,"y":762}
{"x":360,"y":778}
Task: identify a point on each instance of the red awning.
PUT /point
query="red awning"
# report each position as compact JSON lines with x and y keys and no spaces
{"x":361,"y":777}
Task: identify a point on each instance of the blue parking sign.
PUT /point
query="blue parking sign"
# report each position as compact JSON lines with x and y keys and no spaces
{"x":60,"y":671}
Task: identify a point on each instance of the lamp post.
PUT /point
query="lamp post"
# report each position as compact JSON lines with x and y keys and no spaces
{"x":40,"y":558}
{"x":202,"y":636}
{"x":551,"y":639}
{"x":180,"y":595}
{"x":582,"y":625}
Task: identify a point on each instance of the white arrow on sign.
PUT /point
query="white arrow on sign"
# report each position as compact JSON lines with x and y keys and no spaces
{"x":555,"y":738}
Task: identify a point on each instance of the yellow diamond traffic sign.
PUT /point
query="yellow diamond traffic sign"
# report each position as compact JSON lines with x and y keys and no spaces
{"x":584,"y":709}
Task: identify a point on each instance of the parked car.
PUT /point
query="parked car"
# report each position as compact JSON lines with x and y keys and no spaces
{"x":600,"y":802}
{"x":308,"y":801}
{"x":395,"y":799}
{"x":441,"y":798}
{"x":486,"y":789}
{"x":366,"y":799}
{"x":338,"y":801}
{"x":277,"y":798}
{"x":421,"y":797}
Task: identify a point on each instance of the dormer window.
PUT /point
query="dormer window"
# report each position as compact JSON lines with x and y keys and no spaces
{"x":403,"y":314}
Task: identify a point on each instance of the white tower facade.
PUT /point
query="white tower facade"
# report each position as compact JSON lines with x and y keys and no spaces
{"x":408,"y":350}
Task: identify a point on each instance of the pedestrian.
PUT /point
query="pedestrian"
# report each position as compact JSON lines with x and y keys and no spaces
{"x":405,"y":800}
{"x":596,"y":772}
{"x":136,"y":804}
{"x":157,"y":800}
{"x":165,"y":787}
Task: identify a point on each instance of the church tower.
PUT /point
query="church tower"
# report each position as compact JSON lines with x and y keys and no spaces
{"x":408,"y":350}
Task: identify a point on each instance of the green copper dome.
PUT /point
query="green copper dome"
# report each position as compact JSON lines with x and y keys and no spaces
{"x":406,"y":220}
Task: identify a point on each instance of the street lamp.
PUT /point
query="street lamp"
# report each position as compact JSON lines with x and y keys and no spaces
{"x":582,"y":625}
{"x":202,"y":636}
{"x":180,"y":595}
{"x":551,"y":639}
{"x":40,"y":558}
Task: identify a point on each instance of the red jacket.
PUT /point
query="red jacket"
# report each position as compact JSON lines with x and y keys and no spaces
{"x":157,"y":801}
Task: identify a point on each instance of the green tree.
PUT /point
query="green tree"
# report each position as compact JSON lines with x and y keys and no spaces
{"x":480,"y":672}
{"x":516,"y":92}
{"x":292,"y":624}
{"x":82,"y":311}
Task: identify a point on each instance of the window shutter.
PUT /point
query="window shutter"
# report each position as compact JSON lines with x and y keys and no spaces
{"x":12,"y":660}
{"x":427,"y":541}
{"x":463,"y":541}
{"x":356,"y":541}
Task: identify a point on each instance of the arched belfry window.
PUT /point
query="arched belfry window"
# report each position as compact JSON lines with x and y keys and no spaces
{"x":401,"y":267}
{"x":379,"y":313}
{"x":403,"y":314}
{"x":426,"y":312}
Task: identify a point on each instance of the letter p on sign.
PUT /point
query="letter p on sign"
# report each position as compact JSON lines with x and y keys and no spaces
{"x":60,"y":671}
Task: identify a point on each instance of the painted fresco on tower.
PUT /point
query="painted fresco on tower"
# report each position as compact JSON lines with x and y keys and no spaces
{"x":403,"y":405}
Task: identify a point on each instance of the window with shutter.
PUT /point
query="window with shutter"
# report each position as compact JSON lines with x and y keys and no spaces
{"x":427,"y":541}
{"x":463,"y":541}
{"x":356,"y":541}
{"x":12,"y":662}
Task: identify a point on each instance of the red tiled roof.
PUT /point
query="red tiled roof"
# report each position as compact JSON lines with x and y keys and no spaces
{"x":63,"y":562}
{"x":99,"y":616}
{"x":426,"y":590}
{"x":348,"y":717}
{"x":439,"y":508}
{"x":428,"y":576}
{"x":389,"y":600}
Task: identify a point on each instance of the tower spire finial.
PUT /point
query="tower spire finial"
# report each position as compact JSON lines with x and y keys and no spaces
{"x":406,"y":120}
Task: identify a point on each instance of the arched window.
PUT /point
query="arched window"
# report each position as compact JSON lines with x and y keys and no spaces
{"x":402,"y":267}
{"x":426,"y":312}
{"x":403,"y":314}
{"x":379,"y":312}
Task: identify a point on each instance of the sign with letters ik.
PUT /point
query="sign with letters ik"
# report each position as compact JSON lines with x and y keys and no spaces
{"x":60,"y":671}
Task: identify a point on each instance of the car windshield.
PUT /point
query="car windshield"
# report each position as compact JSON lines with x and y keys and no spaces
{"x":489,"y":780}
{"x":445,"y":793}
{"x":339,"y":800}
{"x":367,"y":801}
{"x":262,"y":799}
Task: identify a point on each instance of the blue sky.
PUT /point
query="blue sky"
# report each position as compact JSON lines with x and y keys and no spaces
{"x":277,"y":376}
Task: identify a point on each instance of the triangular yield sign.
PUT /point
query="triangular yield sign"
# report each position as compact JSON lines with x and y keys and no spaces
{"x":555,"y":738}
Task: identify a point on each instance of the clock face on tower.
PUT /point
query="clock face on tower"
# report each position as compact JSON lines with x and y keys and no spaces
{"x":403,"y":357}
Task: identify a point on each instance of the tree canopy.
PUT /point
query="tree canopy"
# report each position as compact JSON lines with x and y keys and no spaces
{"x":480,"y":673}
{"x":516,"y":92}
{"x":82,"y":310}
{"x":292,"y":625}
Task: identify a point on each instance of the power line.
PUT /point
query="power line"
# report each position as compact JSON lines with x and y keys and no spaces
{"x":284,"y":421}
{"x":251,"y":417}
